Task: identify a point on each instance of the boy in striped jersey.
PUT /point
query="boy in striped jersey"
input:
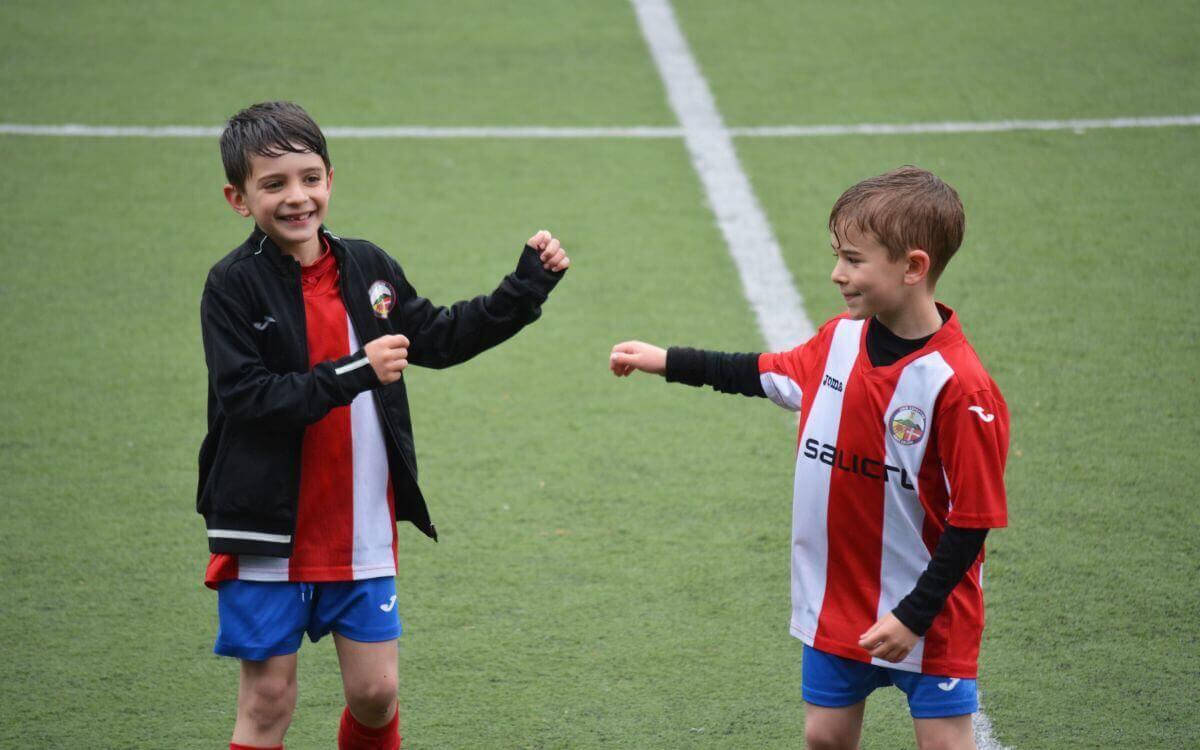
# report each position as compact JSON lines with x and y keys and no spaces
{"x":899,"y":471}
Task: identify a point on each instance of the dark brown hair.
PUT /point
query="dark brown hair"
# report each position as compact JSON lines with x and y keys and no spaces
{"x":905,"y":209}
{"x":268,"y":129}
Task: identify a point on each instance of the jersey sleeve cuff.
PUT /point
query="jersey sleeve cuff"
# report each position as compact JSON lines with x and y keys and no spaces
{"x":977,"y":520}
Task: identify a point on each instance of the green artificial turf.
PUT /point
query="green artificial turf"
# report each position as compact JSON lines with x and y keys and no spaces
{"x":776,"y":62}
{"x":613,"y":569}
{"x":464,"y":62}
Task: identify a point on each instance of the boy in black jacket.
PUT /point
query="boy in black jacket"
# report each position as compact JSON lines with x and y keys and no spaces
{"x":308,"y":461}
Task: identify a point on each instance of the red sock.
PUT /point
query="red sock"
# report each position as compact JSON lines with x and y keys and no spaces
{"x":236,"y":746}
{"x":354,"y":735}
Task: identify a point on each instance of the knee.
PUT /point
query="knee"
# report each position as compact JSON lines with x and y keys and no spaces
{"x":373,"y":699}
{"x":827,"y":738}
{"x":269,"y":702}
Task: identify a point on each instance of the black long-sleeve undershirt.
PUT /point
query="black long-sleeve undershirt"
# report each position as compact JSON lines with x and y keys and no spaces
{"x":955,"y":553}
{"x":957,"y":548}
{"x":727,"y":373}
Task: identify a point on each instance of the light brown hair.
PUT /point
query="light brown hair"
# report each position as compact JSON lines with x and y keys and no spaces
{"x":905,"y":209}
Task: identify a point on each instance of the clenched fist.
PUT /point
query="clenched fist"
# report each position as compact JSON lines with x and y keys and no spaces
{"x":553,"y":256}
{"x":388,"y":356}
{"x":628,"y":356}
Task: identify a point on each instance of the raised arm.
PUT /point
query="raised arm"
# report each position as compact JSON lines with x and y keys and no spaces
{"x":445,"y":336}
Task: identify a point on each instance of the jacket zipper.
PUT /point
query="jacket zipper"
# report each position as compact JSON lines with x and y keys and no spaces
{"x":379,"y":405}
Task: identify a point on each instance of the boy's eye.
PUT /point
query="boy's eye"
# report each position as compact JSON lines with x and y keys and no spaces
{"x":312,"y":179}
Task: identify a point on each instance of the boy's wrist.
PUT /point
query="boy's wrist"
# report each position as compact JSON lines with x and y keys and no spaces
{"x":355,"y":373}
{"x":685,"y":365}
{"x":531,"y":271}
{"x":910,"y":618}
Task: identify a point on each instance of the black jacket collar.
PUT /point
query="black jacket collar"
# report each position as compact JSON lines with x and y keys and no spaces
{"x":261,"y":244}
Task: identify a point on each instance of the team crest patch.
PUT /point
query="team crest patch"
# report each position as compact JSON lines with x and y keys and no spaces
{"x":382,"y":297}
{"x":907,"y":425}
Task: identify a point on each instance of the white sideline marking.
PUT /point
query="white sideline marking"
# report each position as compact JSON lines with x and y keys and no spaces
{"x":766,"y":280}
{"x":984,"y":737}
{"x":75,"y":130}
{"x":997,"y":126}
{"x":386,"y":131}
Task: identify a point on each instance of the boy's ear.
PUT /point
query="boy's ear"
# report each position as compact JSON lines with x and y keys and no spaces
{"x":918,"y":266}
{"x":329,"y":178}
{"x":236,"y":200}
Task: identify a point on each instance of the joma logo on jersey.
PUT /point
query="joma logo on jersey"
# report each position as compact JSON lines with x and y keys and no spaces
{"x":833,"y":383}
{"x":831,"y":455}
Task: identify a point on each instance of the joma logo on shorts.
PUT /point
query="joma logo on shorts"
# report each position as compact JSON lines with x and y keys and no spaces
{"x":831,"y":455}
{"x":833,"y":383}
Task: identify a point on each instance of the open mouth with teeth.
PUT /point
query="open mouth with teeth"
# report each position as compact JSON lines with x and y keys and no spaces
{"x":299,"y":218}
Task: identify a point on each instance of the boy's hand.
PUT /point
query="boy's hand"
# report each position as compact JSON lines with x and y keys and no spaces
{"x":388,"y":356}
{"x":628,"y":356}
{"x":552,"y":255}
{"x":888,"y":639}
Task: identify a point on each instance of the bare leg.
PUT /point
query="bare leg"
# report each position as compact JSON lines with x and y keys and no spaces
{"x":833,"y":728}
{"x":369,"y":677}
{"x":266,"y":700}
{"x":949,"y":733}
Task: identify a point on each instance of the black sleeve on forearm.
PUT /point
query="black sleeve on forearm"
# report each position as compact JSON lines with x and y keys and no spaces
{"x":444,"y":336}
{"x":728,"y":373}
{"x":955,"y":553}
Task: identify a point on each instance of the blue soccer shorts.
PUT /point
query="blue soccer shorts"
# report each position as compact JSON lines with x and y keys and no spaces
{"x":835,"y":682}
{"x":261,"y":619}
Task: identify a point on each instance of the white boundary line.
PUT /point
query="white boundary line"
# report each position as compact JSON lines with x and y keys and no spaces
{"x":766,"y":280}
{"x":75,"y":130}
{"x":997,"y":126}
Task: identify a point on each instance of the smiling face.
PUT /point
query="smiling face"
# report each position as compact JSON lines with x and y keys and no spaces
{"x":871,"y":282}
{"x":288,"y":197}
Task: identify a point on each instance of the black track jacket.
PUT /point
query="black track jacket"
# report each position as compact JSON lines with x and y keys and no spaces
{"x":262,"y":394}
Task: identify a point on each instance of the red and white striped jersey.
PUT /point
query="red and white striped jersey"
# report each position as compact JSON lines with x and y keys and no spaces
{"x":887,"y":456}
{"x":345,"y":516}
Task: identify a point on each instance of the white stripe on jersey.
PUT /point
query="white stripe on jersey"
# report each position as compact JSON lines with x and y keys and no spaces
{"x":373,"y":521}
{"x":782,"y":390}
{"x":904,"y":555}
{"x":810,"y":505}
{"x":261,"y":568}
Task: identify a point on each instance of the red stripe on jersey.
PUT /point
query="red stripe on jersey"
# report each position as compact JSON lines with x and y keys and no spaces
{"x":325,"y":510}
{"x":220,"y":568}
{"x":852,"y":585}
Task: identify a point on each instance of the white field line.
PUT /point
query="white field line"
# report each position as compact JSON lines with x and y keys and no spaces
{"x":767,"y":282}
{"x":386,"y":131}
{"x":76,"y":130}
{"x":997,"y":126}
